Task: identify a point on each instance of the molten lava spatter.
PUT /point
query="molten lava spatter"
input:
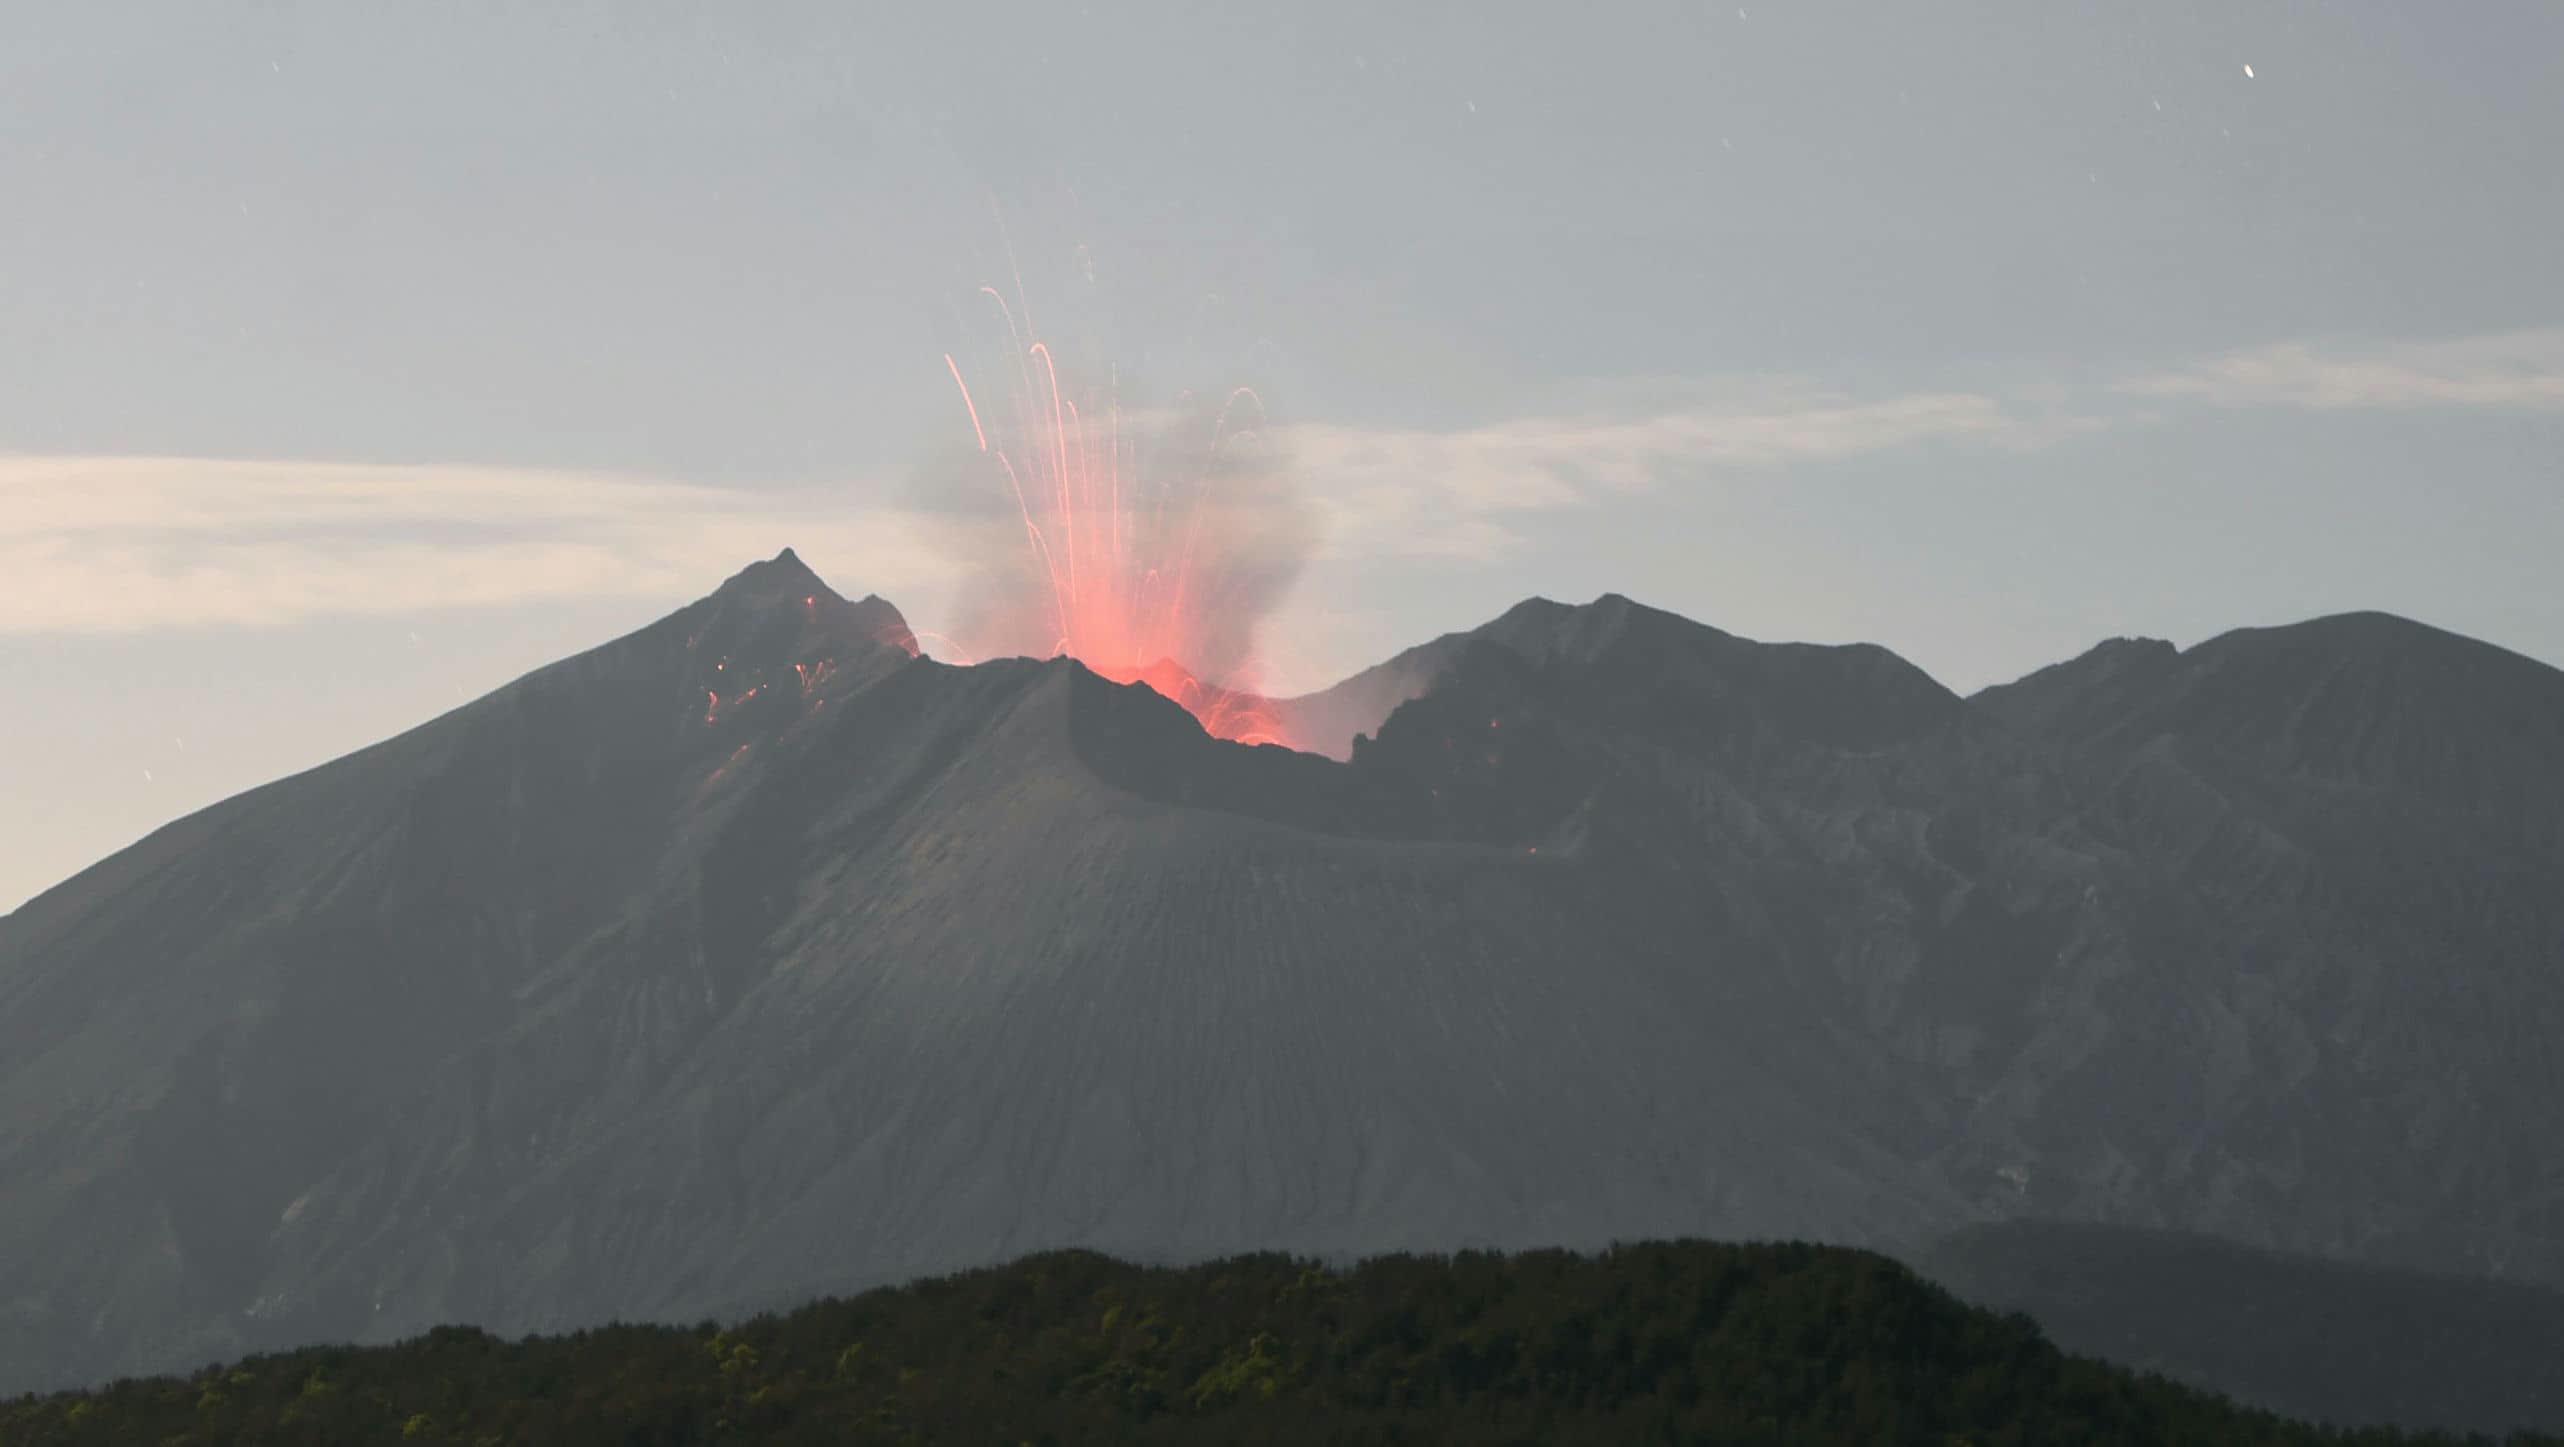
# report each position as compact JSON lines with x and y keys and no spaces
{"x":1223,"y":712}
{"x":1129,"y":568}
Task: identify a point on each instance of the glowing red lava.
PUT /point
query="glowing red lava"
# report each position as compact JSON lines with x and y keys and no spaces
{"x":1125,"y":566}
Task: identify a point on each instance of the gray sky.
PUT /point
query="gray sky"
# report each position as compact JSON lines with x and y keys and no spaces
{"x":362,"y":357}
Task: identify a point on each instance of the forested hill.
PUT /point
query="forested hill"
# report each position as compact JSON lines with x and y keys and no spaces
{"x":1684,"y":1342}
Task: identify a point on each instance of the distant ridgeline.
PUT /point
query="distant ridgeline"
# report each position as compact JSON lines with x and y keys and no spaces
{"x":1686,"y":1342}
{"x":2327,"y":1340}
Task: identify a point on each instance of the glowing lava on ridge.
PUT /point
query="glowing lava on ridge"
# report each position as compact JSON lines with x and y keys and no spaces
{"x":1135,"y":566}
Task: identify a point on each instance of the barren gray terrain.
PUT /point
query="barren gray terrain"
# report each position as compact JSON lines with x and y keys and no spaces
{"x":752,"y":956}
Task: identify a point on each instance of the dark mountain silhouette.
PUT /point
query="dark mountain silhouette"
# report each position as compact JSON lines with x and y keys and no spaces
{"x":1326,"y":722}
{"x":2298,"y":1335}
{"x":752,"y":955}
{"x":2348,"y":843}
{"x":1547,"y":633}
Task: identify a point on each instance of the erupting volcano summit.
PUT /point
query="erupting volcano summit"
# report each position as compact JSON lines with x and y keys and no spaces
{"x":1152,"y":544}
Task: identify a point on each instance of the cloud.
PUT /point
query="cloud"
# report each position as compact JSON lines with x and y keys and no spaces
{"x":113,"y":544}
{"x":1450,"y":494}
{"x":2513,"y":370}
{"x":1467,"y":494}
{"x":118,"y":544}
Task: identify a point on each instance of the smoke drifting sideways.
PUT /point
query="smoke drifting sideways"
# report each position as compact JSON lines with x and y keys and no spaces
{"x":1149,"y":544}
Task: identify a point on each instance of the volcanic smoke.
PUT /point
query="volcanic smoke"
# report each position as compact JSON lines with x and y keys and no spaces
{"x":1148,"y":546}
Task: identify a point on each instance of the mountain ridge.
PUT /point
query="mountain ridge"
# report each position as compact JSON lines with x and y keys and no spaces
{"x":753,"y":953}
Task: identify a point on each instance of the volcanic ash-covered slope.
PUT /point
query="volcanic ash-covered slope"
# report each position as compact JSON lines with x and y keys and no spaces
{"x":1020,"y":962}
{"x":2329,"y":1025}
{"x":199,"y":1030}
{"x":2264,"y":938}
{"x":752,"y":955}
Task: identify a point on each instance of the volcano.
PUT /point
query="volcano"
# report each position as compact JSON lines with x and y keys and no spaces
{"x":1226,"y":713}
{"x":753,"y":955}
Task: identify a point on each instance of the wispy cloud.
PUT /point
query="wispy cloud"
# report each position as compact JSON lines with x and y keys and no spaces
{"x":115,"y":544}
{"x":1469,"y":494}
{"x":118,"y":544}
{"x":1456,"y":493}
{"x":2512,"y":370}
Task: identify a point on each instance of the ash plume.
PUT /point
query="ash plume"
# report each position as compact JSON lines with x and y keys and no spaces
{"x":1125,"y":538}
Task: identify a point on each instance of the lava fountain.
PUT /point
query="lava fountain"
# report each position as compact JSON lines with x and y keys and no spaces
{"x":1152,"y":544}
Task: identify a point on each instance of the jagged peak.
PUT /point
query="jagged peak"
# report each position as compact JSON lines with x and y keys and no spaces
{"x":2133,"y":643}
{"x":785,"y":580}
{"x":2110,"y":655}
{"x":884,"y":622}
{"x":782,"y":576}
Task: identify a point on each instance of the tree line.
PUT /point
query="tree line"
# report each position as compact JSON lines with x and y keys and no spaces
{"x":1680,"y":1342}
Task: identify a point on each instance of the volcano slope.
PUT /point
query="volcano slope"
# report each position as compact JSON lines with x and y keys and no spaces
{"x":751,"y":956}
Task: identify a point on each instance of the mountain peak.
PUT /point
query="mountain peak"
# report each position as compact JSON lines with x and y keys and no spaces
{"x":778,"y":609}
{"x":2368,"y":635}
{"x":784,"y":575}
